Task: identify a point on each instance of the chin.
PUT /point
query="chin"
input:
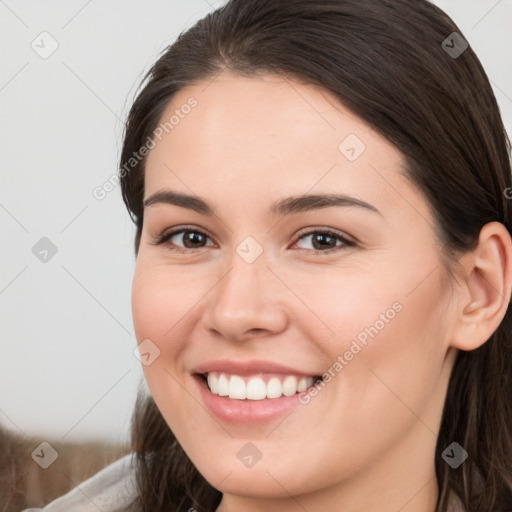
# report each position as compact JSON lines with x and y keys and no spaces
{"x":250,"y":482}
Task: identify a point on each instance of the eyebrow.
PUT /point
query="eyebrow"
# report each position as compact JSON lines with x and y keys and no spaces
{"x":287,"y":206}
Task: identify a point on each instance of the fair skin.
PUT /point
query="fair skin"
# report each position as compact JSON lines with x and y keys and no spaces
{"x":366,"y":441}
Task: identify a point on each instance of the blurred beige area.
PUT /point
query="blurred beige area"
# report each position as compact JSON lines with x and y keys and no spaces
{"x":24,"y":483}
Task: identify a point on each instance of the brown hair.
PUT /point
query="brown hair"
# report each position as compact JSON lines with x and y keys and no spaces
{"x":385,"y":60}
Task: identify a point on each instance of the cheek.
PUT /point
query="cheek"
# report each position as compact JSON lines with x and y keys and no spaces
{"x":399,"y":349}
{"x":158,"y":304}
{"x":386,"y":334}
{"x":156,"y":309}
{"x":162,"y":298}
{"x":163,"y":311}
{"x":166,"y":308}
{"x":342,"y":304}
{"x":149,"y":297}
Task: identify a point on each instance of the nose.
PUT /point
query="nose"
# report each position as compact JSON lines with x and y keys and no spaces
{"x":248,"y":301}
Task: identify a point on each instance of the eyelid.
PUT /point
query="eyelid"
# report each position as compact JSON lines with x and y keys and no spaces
{"x":326,"y":230}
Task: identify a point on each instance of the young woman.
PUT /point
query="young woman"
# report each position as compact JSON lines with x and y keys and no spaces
{"x":324,"y":266}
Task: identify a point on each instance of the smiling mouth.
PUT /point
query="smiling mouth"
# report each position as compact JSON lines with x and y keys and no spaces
{"x":256,"y":387}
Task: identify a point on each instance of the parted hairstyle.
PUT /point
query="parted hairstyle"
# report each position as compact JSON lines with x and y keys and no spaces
{"x":386,"y":62}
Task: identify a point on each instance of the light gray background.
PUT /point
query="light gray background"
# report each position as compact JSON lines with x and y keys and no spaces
{"x":67,"y":369}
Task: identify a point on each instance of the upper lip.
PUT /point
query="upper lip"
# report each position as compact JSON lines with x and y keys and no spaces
{"x":248,"y":368}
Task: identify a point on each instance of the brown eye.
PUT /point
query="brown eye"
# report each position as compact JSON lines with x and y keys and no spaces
{"x":184,"y":239}
{"x":326,"y":241}
{"x":191,"y":239}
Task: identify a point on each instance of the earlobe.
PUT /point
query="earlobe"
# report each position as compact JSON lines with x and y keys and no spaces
{"x":486,"y":291}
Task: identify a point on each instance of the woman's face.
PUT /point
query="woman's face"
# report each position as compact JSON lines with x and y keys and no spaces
{"x":261,"y":294}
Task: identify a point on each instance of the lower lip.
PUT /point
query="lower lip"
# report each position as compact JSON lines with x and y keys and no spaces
{"x":245,"y":411}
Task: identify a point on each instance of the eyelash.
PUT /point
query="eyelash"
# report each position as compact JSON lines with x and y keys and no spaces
{"x":167,"y":236}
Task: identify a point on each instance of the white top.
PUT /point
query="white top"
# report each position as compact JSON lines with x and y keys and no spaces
{"x":110,"y":490}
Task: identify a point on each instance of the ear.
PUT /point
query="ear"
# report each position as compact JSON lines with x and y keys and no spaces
{"x":485,"y":294}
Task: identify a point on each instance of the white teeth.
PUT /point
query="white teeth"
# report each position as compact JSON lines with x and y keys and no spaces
{"x":274,"y":388}
{"x":255,"y":388}
{"x":303,"y":384}
{"x":222,"y":385}
{"x":237,"y":387}
{"x":213,"y":382}
{"x":290,"y":385}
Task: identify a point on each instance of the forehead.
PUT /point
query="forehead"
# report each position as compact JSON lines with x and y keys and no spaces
{"x":264,"y":134}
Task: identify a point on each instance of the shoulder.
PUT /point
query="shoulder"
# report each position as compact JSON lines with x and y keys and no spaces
{"x":112,"y":489}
